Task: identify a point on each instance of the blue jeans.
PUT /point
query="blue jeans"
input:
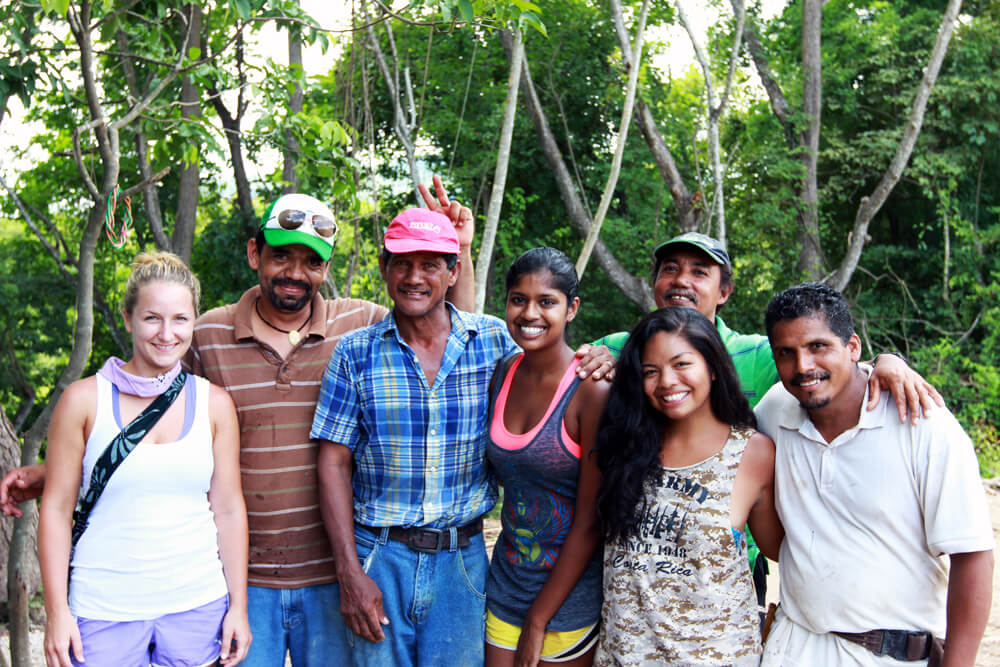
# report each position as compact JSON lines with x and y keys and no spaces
{"x":304,"y":622}
{"x":436,"y":603}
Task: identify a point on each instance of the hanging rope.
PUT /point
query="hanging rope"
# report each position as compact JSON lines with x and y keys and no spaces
{"x":118,"y":238}
{"x":461,"y":115}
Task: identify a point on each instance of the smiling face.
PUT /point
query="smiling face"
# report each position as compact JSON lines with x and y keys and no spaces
{"x":675,"y":377}
{"x":289,"y":275}
{"x":814,"y":364}
{"x":537,"y":311}
{"x":688,"y":277}
{"x":161,"y":324}
{"x":417,"y":282}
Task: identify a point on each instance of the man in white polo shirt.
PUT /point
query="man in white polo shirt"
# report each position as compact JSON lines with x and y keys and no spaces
{"x":888,"y":542}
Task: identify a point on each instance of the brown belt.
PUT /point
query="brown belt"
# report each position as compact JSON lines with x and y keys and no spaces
{"x":899,"y":644}
{"x":431,"y":540}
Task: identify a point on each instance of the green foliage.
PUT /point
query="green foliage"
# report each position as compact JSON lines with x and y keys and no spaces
{"x":59,"y":7}
{"x":937,"y":306}
{"x":218,"y":262}
{"x":33,"y":331}
{"x":986,"y":440}
{"x":575,"y":72}
{"x":488,"y":13}
{"x":912,"y":293}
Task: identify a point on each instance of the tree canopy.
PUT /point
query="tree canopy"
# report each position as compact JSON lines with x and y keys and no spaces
{"x":172,"y":102}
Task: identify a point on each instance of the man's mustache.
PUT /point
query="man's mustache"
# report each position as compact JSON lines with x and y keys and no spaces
{"x":687,"y":294}
{"x":288,"y":282}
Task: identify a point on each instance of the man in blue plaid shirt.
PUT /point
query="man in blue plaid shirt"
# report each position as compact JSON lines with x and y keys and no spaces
{"x":401,"y":420}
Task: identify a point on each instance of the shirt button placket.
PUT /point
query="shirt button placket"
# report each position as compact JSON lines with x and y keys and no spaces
{"x":828,"y":466}
{"x":432,"y":456}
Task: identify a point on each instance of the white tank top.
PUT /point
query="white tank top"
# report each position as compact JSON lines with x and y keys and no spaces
{"x":151,"y":547}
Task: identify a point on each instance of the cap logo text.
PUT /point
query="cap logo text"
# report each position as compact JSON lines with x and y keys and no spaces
{"x":427,"y":226}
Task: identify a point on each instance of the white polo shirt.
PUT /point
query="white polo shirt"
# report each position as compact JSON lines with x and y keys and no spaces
{"x":870,"y":517}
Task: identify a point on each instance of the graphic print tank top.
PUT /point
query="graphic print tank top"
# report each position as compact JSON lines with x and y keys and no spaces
{"x":681,"y":592}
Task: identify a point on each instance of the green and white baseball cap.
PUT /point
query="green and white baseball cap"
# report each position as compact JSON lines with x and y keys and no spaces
{"x":302,"y":219}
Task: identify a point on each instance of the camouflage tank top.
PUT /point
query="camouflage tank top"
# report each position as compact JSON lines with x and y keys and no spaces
{"x":681,"y":591}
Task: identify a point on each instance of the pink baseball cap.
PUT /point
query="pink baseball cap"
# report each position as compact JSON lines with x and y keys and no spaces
{"x":421,"y":230}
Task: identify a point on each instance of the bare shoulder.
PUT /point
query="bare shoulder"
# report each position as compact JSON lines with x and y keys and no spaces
{"x":83,"y":387}
{"x":594,"y":393}
{"x":759,"y":445}
{"x":219,"y":401}
{"x":758,"y":456}
{"x":73,"y":417}
{"x":588,"y":404}
{"x":218,"y":396}
{"x":80,"y":398}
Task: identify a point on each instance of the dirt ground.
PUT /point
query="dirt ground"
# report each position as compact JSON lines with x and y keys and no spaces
{"x":989,"y":651}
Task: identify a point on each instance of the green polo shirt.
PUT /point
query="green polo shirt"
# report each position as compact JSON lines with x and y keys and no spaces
{"x":751,"y":355}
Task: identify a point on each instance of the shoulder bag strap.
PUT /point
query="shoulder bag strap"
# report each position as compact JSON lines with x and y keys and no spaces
{"x":118,"y":449}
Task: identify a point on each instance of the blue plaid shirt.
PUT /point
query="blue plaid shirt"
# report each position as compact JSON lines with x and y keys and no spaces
{"x":419,"y":450}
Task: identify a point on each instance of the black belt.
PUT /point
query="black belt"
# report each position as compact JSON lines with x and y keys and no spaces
{"x":900,"y":644}
{"x":430,"y":540}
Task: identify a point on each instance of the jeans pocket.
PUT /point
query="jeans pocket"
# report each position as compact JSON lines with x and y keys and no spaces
{"x":473,"y":564}
{"x":367,"y":546}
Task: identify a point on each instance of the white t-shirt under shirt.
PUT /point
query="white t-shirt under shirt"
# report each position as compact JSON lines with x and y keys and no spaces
{"x":870,"y":519}
{"x":151,"y":546}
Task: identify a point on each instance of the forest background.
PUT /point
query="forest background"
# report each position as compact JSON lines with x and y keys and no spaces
{"x":204,"y":126}
{"x":852,"y":142}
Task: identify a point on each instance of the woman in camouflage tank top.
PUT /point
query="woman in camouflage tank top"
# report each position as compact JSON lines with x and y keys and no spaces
{"x":683,"y":472}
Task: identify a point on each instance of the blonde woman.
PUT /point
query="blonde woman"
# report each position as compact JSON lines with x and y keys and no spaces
{"x":156,"y":573}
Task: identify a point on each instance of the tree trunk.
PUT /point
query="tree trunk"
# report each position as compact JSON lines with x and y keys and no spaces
{"x":616,"y":161}
{"x":688,"y":210}
{"x":871,"y":204}
{"x":107,"y":142}
{"x":182,"y":239}
{"x":150,"y":197}
{"x":22,"y":542}
{"x":291,"y":152}
{"x":110,"y":317}
{"x":811,"y":255}
{"x":636,"y":289}
{"x":234,"y":137}
{"x":105,"y":133}
{"x":485,"y":258}
{"x":231,"y":127}
{"x":716,"y":110}
{"x":404,"y":120}
{"x":29,"y":579}
{"x":779,"y":103}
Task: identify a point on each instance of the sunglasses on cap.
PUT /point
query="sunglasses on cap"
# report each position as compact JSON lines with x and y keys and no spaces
{"x":292,"y":219}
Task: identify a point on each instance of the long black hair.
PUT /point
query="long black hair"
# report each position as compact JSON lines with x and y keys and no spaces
{"x":631,"y":430}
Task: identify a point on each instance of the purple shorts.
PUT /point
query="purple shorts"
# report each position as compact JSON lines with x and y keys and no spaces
{"x":186,"y":639}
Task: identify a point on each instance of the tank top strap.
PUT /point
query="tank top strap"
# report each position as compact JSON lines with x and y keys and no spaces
{"x":732,"y":451}
{"x":500,"y":373}
{"x":567,"y":388}
{"x":726,"y":461}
